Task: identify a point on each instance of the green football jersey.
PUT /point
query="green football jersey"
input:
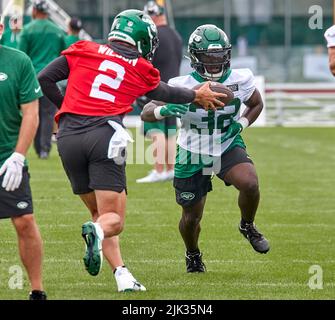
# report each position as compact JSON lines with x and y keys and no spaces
{"x":71,"y":39}
{"x":18,"y":85}
{"x":42,"y":41}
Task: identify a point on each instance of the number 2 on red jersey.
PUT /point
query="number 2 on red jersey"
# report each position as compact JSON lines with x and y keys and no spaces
{"x":108,"y":81}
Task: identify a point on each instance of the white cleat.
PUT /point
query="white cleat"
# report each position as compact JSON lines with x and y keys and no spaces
{"x":126,"y":282}
{"x":168,"y":175}
{"x":152,"y":177}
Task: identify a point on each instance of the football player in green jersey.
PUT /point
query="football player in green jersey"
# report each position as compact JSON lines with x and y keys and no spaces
{"x":19,"y":94}
{"x":209,"y":141}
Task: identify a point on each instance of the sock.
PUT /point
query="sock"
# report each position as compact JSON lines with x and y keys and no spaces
{"x":119,"y":268}
{"x":193,"y":252}
{"x":99,"y":230}
{"x":243,"y":223}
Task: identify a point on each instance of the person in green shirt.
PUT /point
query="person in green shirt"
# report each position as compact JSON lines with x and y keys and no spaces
{"x":11,"y":36}
{"x":19,"y":94}
{"x":43,"y":41}
{"x":74,"y":28}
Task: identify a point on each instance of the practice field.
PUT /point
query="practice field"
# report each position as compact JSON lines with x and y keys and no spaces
{"x":296,"y":213}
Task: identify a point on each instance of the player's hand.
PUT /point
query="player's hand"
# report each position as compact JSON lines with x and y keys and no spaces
{"x":330,"y":36}
{"x":13,"y":167}
{"x":207,"y":98}
{"x":233,"y":129}
{"x":173,"y":110}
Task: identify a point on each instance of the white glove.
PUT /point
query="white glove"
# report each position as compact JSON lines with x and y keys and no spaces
{"x":330,"y":36}
{"x":13,"y":167}
{"x":118,"y":141}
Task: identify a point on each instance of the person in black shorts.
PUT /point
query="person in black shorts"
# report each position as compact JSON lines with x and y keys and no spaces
{"x":209,"y":142}
{"x":167,"y":60}
{"x":19,"y":94}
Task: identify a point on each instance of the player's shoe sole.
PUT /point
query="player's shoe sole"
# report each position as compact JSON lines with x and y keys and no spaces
{"x":256,"y":239}
{"x":93,"y":256}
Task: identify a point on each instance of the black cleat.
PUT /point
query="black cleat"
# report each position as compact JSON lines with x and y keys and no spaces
{"x":37,"y":295}
{"x":256,"y":239}
{"x":194,"y":262}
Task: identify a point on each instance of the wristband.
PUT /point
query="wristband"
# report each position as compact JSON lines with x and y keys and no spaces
{"x":244,"y":122}
{"x":157,"y":113}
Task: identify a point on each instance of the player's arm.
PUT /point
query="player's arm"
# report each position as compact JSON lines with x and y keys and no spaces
{"x":28,"y":127}
{"x":157,"y":110}
{"x":56,"y":71}
{"x":203,"y":96}
{"x":13,"y":166}
{"x":252,"y":111}
{"x":254,"y":107}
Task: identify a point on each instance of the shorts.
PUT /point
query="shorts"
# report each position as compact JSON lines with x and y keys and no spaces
{"x":168,"y":126}
{"x":18,"y":202}
{"x":85,"y":161}
{"x":191,"y":190}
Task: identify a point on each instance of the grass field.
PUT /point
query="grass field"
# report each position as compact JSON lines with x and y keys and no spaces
{"x":296,"y":213}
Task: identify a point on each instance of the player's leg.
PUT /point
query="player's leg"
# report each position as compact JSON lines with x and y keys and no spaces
{"x":239,"y":171}
{"x":155,"y":130}
{"x":110,"y":246}
{"x":18,"y":206}
{"x":31,"y":251}
{"x":189,"y":228}
{"x":191,"y":196}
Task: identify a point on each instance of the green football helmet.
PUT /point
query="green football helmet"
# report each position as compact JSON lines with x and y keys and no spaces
{"x":209,"y":50}
{"x":137,"y":28}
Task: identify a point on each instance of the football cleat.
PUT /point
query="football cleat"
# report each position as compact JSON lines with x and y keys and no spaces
{"x":126,"y":282}
{"x":152,"y":177}
{"x":256,"y":239}
{"x":37,"y":295}
{"x":93,"y":256}
{"x":194,"y":262}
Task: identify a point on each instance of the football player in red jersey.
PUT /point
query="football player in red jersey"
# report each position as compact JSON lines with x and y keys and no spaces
{"x":103,"y":82}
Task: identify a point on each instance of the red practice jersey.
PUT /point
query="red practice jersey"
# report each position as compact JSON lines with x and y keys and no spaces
{"x":104,"y":83}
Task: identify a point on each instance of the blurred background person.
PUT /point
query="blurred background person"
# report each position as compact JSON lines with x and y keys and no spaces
{"x":11,"y":36}
{"x":167,"y":60}
{"x":43,"y":41}
{"x":74,"y":28}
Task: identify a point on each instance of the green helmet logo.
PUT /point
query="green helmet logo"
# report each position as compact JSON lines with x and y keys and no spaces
{"x":136,"y":28}
{"x":210,"y":52}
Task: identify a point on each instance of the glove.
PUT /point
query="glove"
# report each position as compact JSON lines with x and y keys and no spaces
{"x":234,"y":128}
{"x":330,"y":36}
{"x":170,"y":110}
{"x":13,"y":167}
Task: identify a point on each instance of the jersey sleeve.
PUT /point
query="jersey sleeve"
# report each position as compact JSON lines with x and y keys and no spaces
{"x":152,"y":78}
{"x":247,"y":85}
{"x":30,"y":89}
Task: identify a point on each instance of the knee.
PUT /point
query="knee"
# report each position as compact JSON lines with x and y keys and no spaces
{"x":25,"y":224}
{"x":250,"y":186}
{"x":191,"y":220}
{"x":117,"y":224}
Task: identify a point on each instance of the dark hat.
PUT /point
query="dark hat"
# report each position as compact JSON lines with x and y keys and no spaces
{"x":40,"y":5}
{"x":75,"y":23}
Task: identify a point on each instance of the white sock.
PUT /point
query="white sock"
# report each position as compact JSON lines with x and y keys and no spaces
{"x":99,"y":230}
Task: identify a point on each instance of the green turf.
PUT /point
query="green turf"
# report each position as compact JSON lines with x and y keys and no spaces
{"x":296,"y":213}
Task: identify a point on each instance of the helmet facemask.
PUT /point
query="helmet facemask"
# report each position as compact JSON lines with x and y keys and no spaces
{"x":211,"y":64}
